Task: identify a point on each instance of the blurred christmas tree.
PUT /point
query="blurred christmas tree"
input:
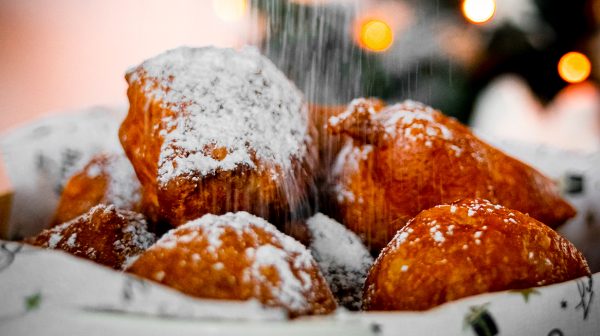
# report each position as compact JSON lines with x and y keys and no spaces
{"x":335,"y":49}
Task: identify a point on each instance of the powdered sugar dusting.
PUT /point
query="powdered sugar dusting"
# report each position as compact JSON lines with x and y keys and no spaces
{"x":342,"y":257}
{"x":417,"y":120}
{"x":72,"y":241}
{"x":223,"y":99}
{"x":356,"y":105}
{"x":55,"y":238}
{"x":435,"y":234}
{"x":290,"y":289}
{"x":133,"y":239}
{"x":290,"y":259}
{"x":123,"y":188}
{"x":136,"y":238}
{"x":402,"y":235}
{"x":349,"y":158}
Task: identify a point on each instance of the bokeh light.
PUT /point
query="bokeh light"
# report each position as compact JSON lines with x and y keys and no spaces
{"x":574,"y":67}
{"x":375,"y":35}
{"x":230,"y":10}
{"x":478,"y":11}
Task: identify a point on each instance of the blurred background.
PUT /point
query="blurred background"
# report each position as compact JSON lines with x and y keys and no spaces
{"x":525,"y":69}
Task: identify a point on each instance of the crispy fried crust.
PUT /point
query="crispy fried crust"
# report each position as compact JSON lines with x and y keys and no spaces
{"x":91,"y":186}
{"x":237,"y":257}
{"x":105,"y":234}
{"x":188,"y":197}
{"x":408,"y":157}
{"x":470,"y":247}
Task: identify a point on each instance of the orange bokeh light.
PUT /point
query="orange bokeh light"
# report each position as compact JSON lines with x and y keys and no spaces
{"x":574,"y":67}
{"x":478,"y":11}
{"x":230,"y":10}
{"x":375,"y":35}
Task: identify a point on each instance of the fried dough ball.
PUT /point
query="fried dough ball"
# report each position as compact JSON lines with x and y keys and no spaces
{"x":237,"y":256}
{"x":405,"y":158}
{"x":342,"y":257}
{"x":106,"y":179}
{"x":466,"y":248}
{"x":105,"y":234}
{"x":216,"y":130}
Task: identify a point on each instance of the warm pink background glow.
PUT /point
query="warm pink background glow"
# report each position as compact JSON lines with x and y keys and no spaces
{"x":57,"y":55}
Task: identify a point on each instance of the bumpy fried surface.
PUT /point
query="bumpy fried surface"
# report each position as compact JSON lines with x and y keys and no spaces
{"x":470,"y":247}
{"x":408,"y":157}
{"x":105,"y":234}
{"x":106,"y":179}
{"x":238,"y":256}
{"x":214,"y":130}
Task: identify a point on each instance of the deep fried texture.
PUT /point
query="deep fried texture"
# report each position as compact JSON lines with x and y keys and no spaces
{"x":262,"y":187}
{"x":408,"y":157}
{"x":105,"y":234}
{"x":470,"y":247}
{"x":238,"y":257}
{"x":106,"y":179}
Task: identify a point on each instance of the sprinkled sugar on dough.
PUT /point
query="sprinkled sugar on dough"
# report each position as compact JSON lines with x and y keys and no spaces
{"x":104,"y":234}
{"x":123,"y":188}
{"x":418,"y":270}
{"x":222,"y":98}
{"x":108,"y":178}
{"x":210,"y":131}
{"x":199,"y":256}
{"x":342,"y":258}
{"x":419,"y":158}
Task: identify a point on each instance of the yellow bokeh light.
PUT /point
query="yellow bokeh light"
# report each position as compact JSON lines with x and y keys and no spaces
{"x":574,"y":67}
{"x":230,"y":10}
{"x":375,"y":35}
{"x":478,"y":11}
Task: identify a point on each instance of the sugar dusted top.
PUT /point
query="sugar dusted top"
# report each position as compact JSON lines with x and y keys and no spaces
{"x":335,"y":246}
{"x":236,"y":102}
{"x":417,"y":123}
{"x":342,"y":257}
{"x":289,"y":259}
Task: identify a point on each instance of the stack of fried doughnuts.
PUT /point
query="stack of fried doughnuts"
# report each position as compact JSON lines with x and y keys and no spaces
{"x":405,"y":158}
{"x":219,"y":145}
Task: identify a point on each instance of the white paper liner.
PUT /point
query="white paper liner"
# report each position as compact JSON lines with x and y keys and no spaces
{"x":61,"y":280}
{"x":569,"y":308}
{"x":44,"y":289}
{"x":41,"y":156}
